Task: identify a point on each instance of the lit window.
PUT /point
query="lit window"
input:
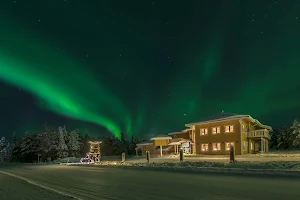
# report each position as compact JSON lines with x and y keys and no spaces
{"x":228,"y":145}
{"x":203,"y":131}
{"x":229,"y":129}
{"x":216,"y":146}
{"x":216,"y":130}
{"x":204,"y":147}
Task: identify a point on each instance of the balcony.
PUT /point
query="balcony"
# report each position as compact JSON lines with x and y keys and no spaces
{"x":259,"y":133}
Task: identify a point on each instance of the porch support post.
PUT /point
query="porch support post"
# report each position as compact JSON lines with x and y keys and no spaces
{"x":267,"y":145}
{"x":261,"y":144}
{"x":160,"y":150}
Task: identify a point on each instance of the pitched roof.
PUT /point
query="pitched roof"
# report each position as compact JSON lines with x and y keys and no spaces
{"x":226,"y":116}
{"x":144,"y":143}
{"x":160,"y":137}
{"x":220,"y":116}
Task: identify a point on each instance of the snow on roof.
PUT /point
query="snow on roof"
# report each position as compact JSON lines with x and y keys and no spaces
{"x":175,"y":133}
{"x":180,"y":132}
{"x":226,"y":116}
{"x":218,"y":117}
{"x":95,"y":142}
{"x":174,"y":143}
{"x":144,"y":143}
{"x":178,"y":141}
{"x":161,"y":137}
{"x":187,"y":129}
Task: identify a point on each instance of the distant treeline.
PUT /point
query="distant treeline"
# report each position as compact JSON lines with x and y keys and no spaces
{"x":60,"y":143}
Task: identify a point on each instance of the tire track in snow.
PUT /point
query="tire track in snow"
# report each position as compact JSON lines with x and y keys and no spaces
{"x":39,"y":185}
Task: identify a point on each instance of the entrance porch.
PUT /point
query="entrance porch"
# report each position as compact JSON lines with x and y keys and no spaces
{"x":258,"y":141}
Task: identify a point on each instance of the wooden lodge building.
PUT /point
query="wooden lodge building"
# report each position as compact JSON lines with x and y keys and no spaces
{"x":213,"y":136}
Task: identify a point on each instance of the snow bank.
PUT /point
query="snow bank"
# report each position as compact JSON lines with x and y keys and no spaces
{"x":67,"y":160}
{"x":281,"y":166}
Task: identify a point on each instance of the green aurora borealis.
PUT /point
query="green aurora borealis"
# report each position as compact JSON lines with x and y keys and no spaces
{"x":145,"y":69}
{"x":56,"y":79}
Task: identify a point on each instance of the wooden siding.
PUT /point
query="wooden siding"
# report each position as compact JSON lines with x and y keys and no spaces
{"x":221,"y":137}
{"x":163,"y":142}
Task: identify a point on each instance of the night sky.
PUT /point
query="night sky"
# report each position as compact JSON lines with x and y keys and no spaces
{"x":146,"y":67}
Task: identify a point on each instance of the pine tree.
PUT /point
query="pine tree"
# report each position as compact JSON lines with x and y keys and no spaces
{"x":296,"y":133}
{"x":74,"y":144}
{"x":285,"y":138}
{"x":3,"y":151}
{"x":62,"y":149}
{"x":66,"y":134}
{"x":28,"y":147}
{"x":123,"y":143}
{"x":15,"y":148}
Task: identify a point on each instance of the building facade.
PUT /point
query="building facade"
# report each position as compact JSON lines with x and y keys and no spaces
{"x":214,"y":136}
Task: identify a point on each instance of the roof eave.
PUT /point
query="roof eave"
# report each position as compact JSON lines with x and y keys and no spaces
{"x":160,"y":138}
{"x":218,"y":120}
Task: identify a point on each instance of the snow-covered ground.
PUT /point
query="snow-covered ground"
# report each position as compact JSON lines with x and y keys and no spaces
{"x":275,"y":161}
{"x":260,"y":163}
{"x":94,"y":183}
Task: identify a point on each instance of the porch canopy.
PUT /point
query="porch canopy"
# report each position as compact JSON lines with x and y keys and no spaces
{"x":178,"y":141}
{"x":162,"y":140}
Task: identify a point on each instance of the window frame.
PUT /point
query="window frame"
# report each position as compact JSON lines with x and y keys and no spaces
{"x":216,"y":127}
{"x":206,"y":132}
{"x":218,"y":145}
{"x":229,"y":146}
{"x":207,"y":147}
{"x":229,"y":128}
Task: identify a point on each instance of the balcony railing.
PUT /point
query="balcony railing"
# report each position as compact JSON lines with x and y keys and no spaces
{"x":259,"y":133}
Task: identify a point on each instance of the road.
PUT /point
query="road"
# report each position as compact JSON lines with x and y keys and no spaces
{"x":12,"y":188}
{"x":129,"y":184}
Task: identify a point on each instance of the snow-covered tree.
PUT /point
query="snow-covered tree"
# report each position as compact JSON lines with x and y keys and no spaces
{"x":285,"y":138}
{"x":3,"y":150}
{"x":296,"y":133}
{"x":28,"y":147}
{"x":62,"y":148}
{"x":66,"y":134}
{"x":74,"y":143}
{"x":15,"y":148}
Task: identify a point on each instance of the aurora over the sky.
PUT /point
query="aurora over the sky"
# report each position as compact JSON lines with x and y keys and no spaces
{"x":147,"y":67}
